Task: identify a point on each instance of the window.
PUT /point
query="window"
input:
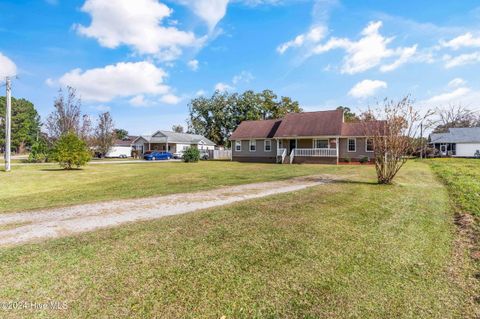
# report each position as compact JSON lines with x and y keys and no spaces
{"x":321,"y":144}
{"x":369,"y":145}
{"x":238,"y":146}
{"x":352,"y":145}
{"x":267,"y":146}
{"x":253,"y":145}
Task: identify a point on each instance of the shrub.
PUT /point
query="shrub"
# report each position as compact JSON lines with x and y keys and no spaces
{"x":38,"y":152}
{"x":70,"y":151}
{"x":191,"y":155}
{"x":347,"y":159}
{"x":364,"y":159}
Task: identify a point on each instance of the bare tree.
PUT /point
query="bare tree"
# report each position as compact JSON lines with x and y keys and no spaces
{"x":454,"y":116}
{"x":177,"y":128}
{"x":66,"y":116}
{"x":104,"y":133}
{"x":86,"y":129}
{"x":393,"y":136}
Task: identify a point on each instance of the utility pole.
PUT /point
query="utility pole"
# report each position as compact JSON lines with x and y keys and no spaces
{"x":8,"y":124}
{"x":421,"y":140}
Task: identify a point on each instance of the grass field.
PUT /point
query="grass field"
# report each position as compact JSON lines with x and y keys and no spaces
{"x":40,"y":186}
{"x":348,"y":249}
{"x":462,"y":177}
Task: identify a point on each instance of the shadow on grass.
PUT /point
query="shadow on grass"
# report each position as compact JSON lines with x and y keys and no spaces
{"x":349,"y":181}
{"x":60,"y":169}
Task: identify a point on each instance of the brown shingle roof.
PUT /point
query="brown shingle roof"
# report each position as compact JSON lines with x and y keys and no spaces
{"x":362,"y":129}
{"x":306,"y":124}
{"x":256,"y":129}
{"x":320,"y":123}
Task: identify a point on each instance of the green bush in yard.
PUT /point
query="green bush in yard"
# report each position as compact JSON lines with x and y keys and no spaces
{"x":39,"y":152}
{"x":191,"y":155}
{"x":364,"y":159}
{"x":70,"y":151}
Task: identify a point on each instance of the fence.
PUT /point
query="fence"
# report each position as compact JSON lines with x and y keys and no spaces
{"x":220,"y":154}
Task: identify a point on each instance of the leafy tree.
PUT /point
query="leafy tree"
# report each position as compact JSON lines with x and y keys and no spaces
{"x":348,"y":114}
{"x":104,"y":133}
{"x":120,"y":133}
{"x":25,"y":123}
{"x":191,"y":155}
{"x":70,"y":151}
{"x":177,"y":128}
{"x":218,"y":116}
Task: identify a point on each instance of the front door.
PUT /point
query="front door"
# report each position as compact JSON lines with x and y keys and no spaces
{"x":293,"y":145}
{"x":443,"y":149}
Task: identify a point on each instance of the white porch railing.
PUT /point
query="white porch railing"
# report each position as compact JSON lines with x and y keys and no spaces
{"x":319,"y":152}
{"x":292,"y":156}
{"x":283,"y":153}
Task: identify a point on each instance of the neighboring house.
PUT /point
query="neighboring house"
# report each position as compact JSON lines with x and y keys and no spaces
{"x":122,"y":148}
{"x":308,"y":137}
{"x":460,"y":142}
{"x":172,"y":142}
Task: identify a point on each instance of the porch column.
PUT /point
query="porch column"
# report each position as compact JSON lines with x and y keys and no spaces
{"x":278,"y":145}
{"x":149,"y":148}
{"x":166,"y":145}
{"x":337,"y":145}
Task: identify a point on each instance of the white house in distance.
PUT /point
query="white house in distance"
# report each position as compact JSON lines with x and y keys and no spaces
{"x":172,"y":142}
{"x":459,"y":142}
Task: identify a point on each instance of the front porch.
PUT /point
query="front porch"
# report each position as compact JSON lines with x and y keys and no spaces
{"x":312,"y":150}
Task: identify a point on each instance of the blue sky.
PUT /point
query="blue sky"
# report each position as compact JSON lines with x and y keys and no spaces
{"x":143,"y":60}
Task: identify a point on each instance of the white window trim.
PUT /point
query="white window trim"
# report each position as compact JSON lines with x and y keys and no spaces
{"x":366,"y":144}
{"x":250,"y":143}
{"x":265,"y":145}
{"x":239,"y":144}
{"x":348,"y":145}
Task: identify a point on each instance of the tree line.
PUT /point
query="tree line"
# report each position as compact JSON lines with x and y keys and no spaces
{"x":216,"y":117}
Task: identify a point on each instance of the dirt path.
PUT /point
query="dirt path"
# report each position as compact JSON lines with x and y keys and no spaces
{"x":18,"y":228}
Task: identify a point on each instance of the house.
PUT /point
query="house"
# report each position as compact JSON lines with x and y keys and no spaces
{"x":307,"y":137}
{"x":459,"y":142}
{"x":171,"y":141}
{"x":122,"y":147}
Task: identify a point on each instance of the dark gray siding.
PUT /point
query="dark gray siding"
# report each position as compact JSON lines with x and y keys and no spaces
{"x":258,"y":156}
{"x":359,"y":153}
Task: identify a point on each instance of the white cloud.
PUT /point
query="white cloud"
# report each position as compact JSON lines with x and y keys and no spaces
{"x":211,"y":11}
{"x":463,"y":41}
{"x":457,"y":82}
{"x":136,"y":24}
{"x":313,"y":36}
{"x":449,"y":97}
{"x":462,"y":59}
{"x":223,"y":87}
{"x":138,"y":101}
{"x":367,"y":88}
{"x":170,"y":99}
{"x":118,"y":80}
{"x":370,"y":51}
{"x":193,"y":64}
{"x":405,"y":55}
{"x":242,"y":77}
{"x":7,"y":67}
{"x":200,"y":93}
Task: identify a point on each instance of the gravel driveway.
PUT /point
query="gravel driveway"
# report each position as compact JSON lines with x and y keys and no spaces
{"x":30,"y":226}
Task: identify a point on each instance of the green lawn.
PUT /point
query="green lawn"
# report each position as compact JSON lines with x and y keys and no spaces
{"x":462,"y":177}
{"x":351,"y":249}
{"x":40,"y":186}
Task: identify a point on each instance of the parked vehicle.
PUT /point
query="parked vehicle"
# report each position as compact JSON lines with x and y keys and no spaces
{"x":153,"y":156}
{"x":177,"y":155}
